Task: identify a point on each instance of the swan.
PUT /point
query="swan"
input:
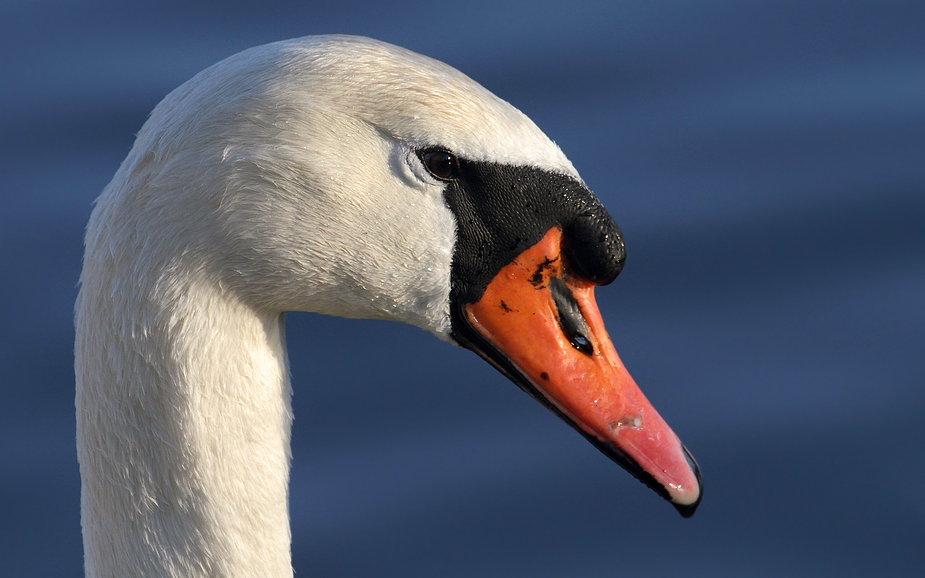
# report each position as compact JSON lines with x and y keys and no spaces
{"x":337,"y":175}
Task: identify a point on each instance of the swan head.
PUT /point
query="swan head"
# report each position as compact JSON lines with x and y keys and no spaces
{"x":350,"y":177}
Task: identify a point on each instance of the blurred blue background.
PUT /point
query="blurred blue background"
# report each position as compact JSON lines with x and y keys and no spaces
{"x":766,"y":161}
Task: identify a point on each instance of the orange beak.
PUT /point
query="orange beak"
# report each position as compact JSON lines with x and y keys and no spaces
{"x":545,"y":328}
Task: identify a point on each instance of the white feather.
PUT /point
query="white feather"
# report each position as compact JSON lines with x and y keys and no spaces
{"x":282,"y":178}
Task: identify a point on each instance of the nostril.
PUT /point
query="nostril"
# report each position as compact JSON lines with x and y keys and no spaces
{"x":581,"y":343}
{"x":571,"y":320}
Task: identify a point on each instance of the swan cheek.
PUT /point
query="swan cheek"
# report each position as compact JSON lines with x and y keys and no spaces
{"x":544,"y":322}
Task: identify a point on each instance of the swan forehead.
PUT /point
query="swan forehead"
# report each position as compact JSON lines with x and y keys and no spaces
{"x":413,"y":98}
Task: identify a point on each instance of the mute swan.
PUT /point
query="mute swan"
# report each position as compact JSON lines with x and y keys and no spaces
{"x":337,"y":175}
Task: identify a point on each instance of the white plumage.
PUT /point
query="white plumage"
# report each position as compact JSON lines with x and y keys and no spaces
{"x":282,"y":178}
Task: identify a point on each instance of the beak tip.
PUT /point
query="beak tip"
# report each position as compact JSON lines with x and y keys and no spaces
{"x":687,"y":510}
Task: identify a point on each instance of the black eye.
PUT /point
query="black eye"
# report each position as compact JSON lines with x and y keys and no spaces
{"x":440,"y":164}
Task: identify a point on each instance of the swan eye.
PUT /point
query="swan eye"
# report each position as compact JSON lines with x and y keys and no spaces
{"x":440,"y":164}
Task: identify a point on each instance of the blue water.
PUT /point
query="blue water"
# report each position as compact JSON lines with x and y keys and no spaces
{"x":766,"y":161}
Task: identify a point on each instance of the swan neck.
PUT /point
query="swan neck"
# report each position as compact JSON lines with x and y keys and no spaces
{"x":183,"y":422}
